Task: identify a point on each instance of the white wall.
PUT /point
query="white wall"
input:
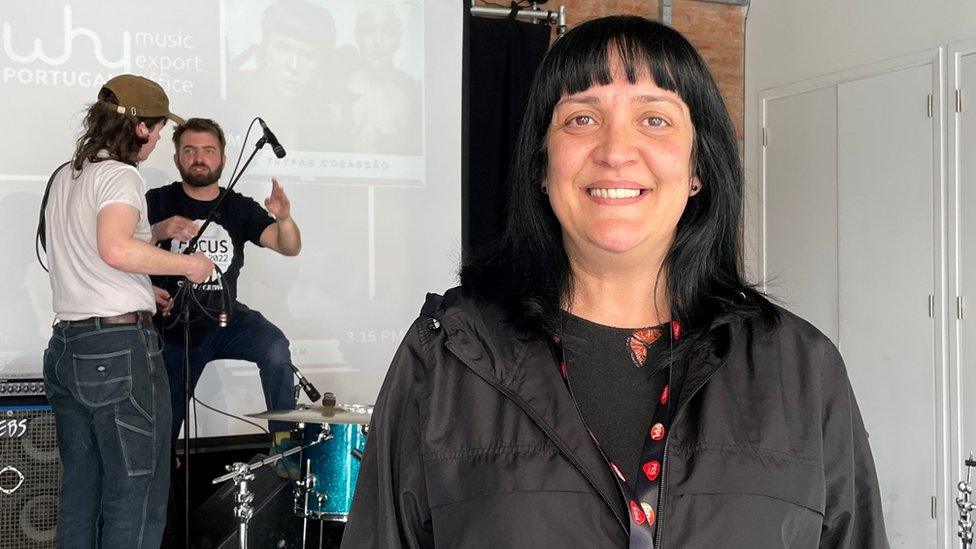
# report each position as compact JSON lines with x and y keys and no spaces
{"x":792,"y":40}
{"x":789,"y":41}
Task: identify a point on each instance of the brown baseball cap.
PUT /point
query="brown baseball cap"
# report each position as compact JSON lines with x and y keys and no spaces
{"x":140,"y":97}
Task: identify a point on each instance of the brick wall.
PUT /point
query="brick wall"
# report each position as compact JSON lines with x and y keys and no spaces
{"x":717,"y":30}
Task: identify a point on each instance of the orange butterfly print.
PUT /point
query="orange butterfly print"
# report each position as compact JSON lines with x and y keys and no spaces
{"x":640,"y":341}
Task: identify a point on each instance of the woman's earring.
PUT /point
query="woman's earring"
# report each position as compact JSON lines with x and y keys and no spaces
{"x":545,"y":189}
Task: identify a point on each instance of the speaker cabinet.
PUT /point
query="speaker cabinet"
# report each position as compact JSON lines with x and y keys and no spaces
{"x":29,"y":475}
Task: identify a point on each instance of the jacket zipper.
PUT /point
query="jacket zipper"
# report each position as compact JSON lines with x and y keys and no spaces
{"x":664,"y":462}
{"x":545,"y":429}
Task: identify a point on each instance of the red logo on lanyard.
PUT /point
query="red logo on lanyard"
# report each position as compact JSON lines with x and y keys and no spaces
{"x":665,"y":393}
{"x":636,"y":514}
{"x":652,"y":469}
{"x":676,"y":330}
{"x":657,"y":431}
{"x":649,"y":512}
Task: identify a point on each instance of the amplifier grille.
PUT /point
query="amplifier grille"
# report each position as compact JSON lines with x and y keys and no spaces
{"x":29,"y":477}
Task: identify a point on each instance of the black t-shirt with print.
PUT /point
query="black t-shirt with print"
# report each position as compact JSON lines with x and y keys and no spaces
{"x":617,"y":375}
{"x":239,"y":220}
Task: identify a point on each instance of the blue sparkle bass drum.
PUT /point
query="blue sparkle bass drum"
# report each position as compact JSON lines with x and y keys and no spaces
{"x":330,"y":467}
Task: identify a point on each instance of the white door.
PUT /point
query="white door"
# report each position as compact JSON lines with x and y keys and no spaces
{"x":800,"y":206}
{"x":887,"y":233}
{"x":965,"y":164}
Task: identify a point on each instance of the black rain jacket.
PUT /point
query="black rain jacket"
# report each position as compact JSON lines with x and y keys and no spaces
{"x":476,"y":442}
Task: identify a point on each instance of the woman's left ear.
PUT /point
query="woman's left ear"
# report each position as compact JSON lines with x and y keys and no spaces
{"x":142,"y":130}
{"x":696,"y":186}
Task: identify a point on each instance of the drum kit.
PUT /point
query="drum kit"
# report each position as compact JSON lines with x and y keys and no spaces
{"x":333,"y":439}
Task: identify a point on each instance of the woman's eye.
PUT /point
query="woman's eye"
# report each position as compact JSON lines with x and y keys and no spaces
{"x":581,"y":120}
{"x":655,"y":121}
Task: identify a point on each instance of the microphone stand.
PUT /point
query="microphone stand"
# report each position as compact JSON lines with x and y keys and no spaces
{"x":185,"y":319}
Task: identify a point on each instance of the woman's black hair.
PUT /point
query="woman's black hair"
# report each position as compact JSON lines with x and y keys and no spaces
{"x":527,"y":270}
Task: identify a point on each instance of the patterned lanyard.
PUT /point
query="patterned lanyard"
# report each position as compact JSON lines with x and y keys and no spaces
{"x":642,"y":500}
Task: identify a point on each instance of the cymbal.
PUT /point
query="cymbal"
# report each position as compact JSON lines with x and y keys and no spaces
{"x":342,"y":413}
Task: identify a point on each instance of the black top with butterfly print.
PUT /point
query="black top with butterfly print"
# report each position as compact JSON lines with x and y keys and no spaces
{"x":617,"y":375}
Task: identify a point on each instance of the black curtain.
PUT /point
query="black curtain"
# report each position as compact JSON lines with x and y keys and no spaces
{"x":502,"y":57}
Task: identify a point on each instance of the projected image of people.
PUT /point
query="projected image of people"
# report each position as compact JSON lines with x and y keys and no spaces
{"x":293,"y":77}
{"x":340,"y":78}
{"x":385,"y":111}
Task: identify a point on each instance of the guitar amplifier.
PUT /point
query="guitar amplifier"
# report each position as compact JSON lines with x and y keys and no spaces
{"x":29,"y":466}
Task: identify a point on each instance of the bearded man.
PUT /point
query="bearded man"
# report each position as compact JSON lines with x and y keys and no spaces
{"x":176,"y":212}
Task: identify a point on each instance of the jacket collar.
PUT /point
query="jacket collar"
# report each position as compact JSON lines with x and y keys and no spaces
{"x":700,"y":371}
{"x":524,"y":367}
{"x":526,"y":363}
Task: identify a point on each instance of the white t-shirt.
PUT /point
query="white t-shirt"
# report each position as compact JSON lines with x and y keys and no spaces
{"x":82,"y":283}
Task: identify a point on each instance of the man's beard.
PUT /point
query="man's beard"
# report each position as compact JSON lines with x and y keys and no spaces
{"x":201,"y":180}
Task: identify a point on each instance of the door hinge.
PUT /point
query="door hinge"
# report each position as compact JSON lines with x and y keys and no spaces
{"x":931,"y":306}
{"x":958,"y":100}
{"x":929,"y":105}
{"x":959,"y":307}
{"x":765,"y":137}
{"x":935,"y":507}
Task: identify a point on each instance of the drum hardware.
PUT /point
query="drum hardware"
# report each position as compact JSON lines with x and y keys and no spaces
{"x":242,"y":473}
{"x":330,"y":473}
{"x":300,"y":485}
{"x":330,"y":470}
{"x":966,"y":505}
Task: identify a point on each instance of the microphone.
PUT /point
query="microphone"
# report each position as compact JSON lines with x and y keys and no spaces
{"x":307,"y":386}
{"x":272,"y":140}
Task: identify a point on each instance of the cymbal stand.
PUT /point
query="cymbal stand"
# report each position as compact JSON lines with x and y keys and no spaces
{"x":242,"y":473}
{"x":966,"y":505}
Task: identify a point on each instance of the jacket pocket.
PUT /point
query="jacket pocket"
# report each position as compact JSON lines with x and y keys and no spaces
{"x":736,"y":496}
{"x":730,"y":469}
{"x":103,"y":379}
{"x":481,"y":472}
{"x":515,"y":497}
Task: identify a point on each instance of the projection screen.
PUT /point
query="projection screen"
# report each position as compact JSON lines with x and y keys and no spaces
{"x":380,"y":212}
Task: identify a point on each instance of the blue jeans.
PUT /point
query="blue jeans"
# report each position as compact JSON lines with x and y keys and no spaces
{"x":107,"y":386}
{"x":248,"y":336}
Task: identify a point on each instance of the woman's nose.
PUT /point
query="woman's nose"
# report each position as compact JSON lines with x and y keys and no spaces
{"x":617,"y":146}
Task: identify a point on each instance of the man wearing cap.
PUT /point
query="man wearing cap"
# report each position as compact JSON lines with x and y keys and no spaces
{"x":103,"y":369}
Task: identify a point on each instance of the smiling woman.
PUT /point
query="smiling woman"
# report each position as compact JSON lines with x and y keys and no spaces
{"x":619,"y":172}
{"x":604,"y":376}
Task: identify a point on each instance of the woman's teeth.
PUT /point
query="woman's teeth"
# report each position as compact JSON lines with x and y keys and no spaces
{"x":614,"y":193}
